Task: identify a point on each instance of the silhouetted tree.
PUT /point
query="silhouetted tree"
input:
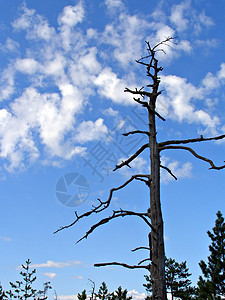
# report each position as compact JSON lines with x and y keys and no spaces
{"x":120,"y":294}
{"x":24,"y":289}
{"x":82,"y":296}
{"x":103,"y":292}
{"x":147,"y":98}
{"x":177,"y":283}
{"x":212,"y":284}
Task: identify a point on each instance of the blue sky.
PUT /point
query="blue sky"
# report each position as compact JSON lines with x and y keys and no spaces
{"x":64,"y":66}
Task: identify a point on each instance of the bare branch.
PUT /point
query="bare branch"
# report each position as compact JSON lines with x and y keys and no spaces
{"x":136,"y":131}
{"x":145,"y":104}
{"x":138,"y":92}
{"x":201,"y":139}
{"x":131,"y":158}
{"x":169,"y":171}
{"x":122,"y":265}
{"x":141,"y":262}
{"x":196,"y":155}
{"x":103,"y":204}
{"x":165,"y":42}
{"x":140,"y":248}
{"x":116,"y":214}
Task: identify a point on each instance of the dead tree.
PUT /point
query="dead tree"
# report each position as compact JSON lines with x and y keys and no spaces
{"x":147,"y":97}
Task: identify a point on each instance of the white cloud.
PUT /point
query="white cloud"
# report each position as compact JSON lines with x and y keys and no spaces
{"x":136,"y":295}
{"x":9,"y":46}
{"x":78,"y":277}
{"x":90,"y":131}
{"x":72,"y":15}
{"x":5,"y":238}
{"x":7,"y":82}
{"x":111,"y":112}
{"x":76,"y":71}
{"x":111,"y":87}
{"x":177,"y":15}
{"x":138,"y":166}
{"x":179,"y":170}
{"x":50,"y":275}
{"x":179,"y":103}
{"x":52,"y":264}
{"x":113,"y":4}
{"x":67,"y":297}
{"x":26,"y":65}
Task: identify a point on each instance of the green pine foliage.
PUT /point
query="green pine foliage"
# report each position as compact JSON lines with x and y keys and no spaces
{"x":212,"y":284}
{"x":178,"y":283}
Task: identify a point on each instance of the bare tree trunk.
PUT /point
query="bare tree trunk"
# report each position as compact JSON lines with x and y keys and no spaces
{"x":157,"y":237}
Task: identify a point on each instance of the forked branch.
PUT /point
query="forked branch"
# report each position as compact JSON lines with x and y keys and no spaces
{"x":104,"y":204}
{"x":116,"y":214}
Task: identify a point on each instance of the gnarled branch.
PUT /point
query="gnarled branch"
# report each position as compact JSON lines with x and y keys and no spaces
{"x":196,"y":155}
{"x":116,"y":214}
{"x":104,"y":204}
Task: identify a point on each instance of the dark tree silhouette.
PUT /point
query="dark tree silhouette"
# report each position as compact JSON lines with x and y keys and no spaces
{"x":147,"y":97}
{"x":178,"y":283}
{"x":212,"y":286}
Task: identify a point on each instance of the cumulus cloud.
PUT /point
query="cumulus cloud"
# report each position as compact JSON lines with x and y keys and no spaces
{"x":72,"y":15}
{"x":111,"y":87}
{"x":91,"y":131}
{"x":138,"y":166}
{"x":177,"y":15}
{"x":50,"y":275}
{"x":179,"y":103}
{"x":26,"y":65}
{"x":53,"y":264}
{"x":183,"y":170}
{"x":61,"y":77}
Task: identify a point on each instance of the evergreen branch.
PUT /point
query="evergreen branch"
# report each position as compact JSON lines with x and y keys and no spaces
{"x":131,"y":158}
{"x":196,"y":155}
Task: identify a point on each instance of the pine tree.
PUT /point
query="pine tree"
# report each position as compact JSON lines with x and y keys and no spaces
{"x":103,"y":292}
{"x":82,"y":296}
{"x":24,"y":289}
{"x":2,"y":293}
{"x":177,"y":282}
{"x":120,"y":294}
{"x":212,"y":285}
